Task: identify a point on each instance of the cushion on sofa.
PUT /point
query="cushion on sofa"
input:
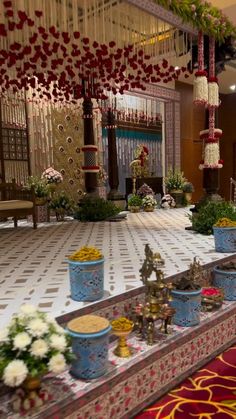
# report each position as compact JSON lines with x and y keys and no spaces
{"x":15,"y":204}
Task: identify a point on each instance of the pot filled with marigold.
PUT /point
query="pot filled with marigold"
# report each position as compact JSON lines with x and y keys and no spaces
{"x":32,"y":345}
{"x":225,"y":235}
{"x":86,"y":272}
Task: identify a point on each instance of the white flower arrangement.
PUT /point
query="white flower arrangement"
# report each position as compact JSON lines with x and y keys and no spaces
{"x":167,"y":201}
{"x":33,"y":344}
{"x":52,"y":175}
{"x":149,"y":201}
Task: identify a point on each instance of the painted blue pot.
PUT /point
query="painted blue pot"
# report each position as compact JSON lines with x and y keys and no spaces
{"x":86,"y":280}
{"x":225,"y":239}
{"x":188,"y":307}
{"x":227,"y":281}
{"x":91,"y":351}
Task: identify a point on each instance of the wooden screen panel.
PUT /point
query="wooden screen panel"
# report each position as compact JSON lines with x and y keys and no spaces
{"x":14,"y":143}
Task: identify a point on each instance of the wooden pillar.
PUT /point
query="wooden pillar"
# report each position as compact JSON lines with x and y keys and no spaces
{"x":113,"y":174}
{"x":90,"y":167}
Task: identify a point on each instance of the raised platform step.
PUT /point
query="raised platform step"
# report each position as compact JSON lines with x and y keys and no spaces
{"x":133,"y":383}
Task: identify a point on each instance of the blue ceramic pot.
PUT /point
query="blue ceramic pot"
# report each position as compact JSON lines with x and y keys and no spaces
{"x":91,"y":351}
{"x":225,"y":239}
{"x":86,"y":280}
{"x":188,"y":306}
{"x":227,"y":281}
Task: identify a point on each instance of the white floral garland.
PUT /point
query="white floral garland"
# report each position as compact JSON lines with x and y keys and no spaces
{"x":213,"y":95}
{"x":200,"y":91}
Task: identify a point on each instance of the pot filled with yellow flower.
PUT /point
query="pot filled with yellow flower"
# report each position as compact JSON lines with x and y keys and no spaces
{"x":225,"y":235}
{"x":32,"y":345}
{"x":86,"y":272}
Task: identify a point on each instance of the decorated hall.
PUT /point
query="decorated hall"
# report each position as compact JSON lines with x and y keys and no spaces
{"x":117,"y":209}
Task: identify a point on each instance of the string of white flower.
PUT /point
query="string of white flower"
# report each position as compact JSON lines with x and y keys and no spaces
{"x":213,"y":94}
{"x":200,"y":91}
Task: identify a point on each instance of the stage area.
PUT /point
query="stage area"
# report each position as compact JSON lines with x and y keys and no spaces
{"x":33,"y":266}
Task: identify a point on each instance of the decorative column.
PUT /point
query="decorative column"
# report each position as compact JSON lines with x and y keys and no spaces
{"x":113,"y":174}
{"x":211,"y":162}
{"x":90,"y":167}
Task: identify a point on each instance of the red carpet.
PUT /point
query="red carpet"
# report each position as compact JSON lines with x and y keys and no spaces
{"x":210,"y":393}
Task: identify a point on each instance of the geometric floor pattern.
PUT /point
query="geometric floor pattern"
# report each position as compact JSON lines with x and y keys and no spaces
{"x":33,"y":266}
{"x":208,"y":394}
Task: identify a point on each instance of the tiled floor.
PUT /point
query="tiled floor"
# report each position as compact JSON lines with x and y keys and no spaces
{"x":33,"y":265}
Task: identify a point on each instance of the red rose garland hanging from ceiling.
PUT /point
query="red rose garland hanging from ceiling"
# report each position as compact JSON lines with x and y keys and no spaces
{"x":61,"y":66}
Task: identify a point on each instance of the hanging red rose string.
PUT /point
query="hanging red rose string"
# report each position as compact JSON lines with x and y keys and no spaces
{"x":61,"y":62}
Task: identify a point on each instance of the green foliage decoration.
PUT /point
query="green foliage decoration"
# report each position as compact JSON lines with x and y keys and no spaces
{"x":61,"y":201}
{"x":174,"y":180}
{"x":96,"y":209}
{"x":209,"y":214}
{"x":40,"y":186}
{"x":134,"y":201}
{"x":203,"y":16}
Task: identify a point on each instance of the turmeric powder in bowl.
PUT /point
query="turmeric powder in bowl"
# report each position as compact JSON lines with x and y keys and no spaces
{"x":122,"y":324}
{"x":85,"y":254}
{"x":225,"y":222}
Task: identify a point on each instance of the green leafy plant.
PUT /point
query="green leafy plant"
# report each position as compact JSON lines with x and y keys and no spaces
{"x":32,"y":345}
{"x":174,"y":180}
{"x":209,"y":214}
{"x":40,"y":186}
{"x":134,"y":201}
{"x":61,"y":201}
{"x":96,"y":209}
{"x":188,"y":187}
{"x":203,"y":16}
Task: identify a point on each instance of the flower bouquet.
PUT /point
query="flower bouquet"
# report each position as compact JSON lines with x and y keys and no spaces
{"x":167,"y":201}
{"x":212,"y":298}
{"x":149,"y":203}
{"x":52,"y":176}
{"x":144,"y":190}
{"x":32,"y":345}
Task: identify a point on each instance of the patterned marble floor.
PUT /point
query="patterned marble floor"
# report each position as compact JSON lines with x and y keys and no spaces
{"x":33,"y":265}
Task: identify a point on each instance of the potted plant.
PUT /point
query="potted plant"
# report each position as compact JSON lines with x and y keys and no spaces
{"x":149,"y":203}
{"x":188,"y":189}
{"x":225,"y":235}
{"x":209,"y":213}
{"x":224,"y":277}
{"x":187,"y":297}
{"x":174,"y":184}
{"x":40,"y":188}
{"x":53,"y":178}
{"x":62,"y":204}
{"x":31,"y":346}
{"x":134,"y":203}
{"x":86,"y":271}
{"x":144,"y":190}
{"x":167,"y":201}
{"x":96,"y":209}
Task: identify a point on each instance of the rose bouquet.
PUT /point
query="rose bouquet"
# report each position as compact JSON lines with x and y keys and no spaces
{"x":52,"y":175}
{"x":32,"y":345}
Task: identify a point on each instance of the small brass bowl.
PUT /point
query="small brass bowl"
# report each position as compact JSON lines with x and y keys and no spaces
{"x":122,"y":350}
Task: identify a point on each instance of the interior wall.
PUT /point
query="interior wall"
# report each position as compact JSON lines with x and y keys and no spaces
{"x":192,"y":121}
{"x":227,"y":124}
